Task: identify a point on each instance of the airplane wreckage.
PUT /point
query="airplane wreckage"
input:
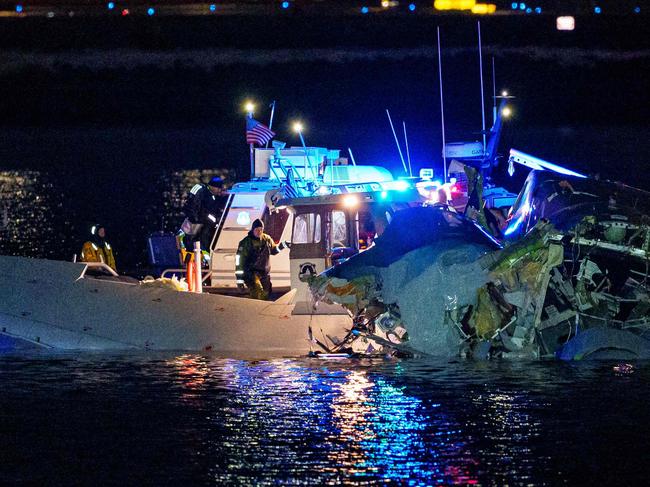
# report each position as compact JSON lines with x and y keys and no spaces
{"x":568,"y":277}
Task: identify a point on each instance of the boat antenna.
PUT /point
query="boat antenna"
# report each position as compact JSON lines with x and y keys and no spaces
{"x":396,"y":141}
{"x":480,"y":62}
{"x":354,"y":163}
{"x":272,"y":106}
{"x":408,"y":154}
{"x":442,"y":111}
{"x":494,"y":94}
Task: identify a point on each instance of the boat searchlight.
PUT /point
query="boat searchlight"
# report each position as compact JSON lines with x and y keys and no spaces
{"x":297,"y":127}
{"x":249,"y":107}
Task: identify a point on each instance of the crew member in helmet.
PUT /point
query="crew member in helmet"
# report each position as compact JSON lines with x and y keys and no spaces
{"x":203,"y":209}
{"x":97,"y":249}
{"x":253,"y":261}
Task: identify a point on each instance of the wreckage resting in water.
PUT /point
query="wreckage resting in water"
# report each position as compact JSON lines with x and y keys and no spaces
{"x":572,"y":284}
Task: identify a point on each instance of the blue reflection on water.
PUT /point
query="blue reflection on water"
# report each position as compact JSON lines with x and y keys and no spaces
{"x":202,"y":420}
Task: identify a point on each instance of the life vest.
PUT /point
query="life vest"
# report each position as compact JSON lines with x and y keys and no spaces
{"x":92,"y":252}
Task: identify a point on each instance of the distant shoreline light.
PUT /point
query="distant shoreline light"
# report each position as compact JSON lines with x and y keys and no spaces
{"x":566,"y":22}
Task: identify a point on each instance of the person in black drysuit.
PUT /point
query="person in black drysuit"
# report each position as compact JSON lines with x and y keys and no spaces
{"x":253,"y":267}
{"x":203,"y":208}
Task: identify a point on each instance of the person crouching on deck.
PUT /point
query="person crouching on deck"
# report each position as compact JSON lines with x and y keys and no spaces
{"x":253,"y":261}
{"x":97,"y":249}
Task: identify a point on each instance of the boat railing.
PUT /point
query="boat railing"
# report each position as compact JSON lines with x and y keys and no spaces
{"x":217,"y":232}
{"x":98,"y":265}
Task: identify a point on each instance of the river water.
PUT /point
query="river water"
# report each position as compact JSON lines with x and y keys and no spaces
{"x":187,"y":419}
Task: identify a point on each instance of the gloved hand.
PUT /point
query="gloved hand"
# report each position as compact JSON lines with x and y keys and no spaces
{"x":284,"y":245}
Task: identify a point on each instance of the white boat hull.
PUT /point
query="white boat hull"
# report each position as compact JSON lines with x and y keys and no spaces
{"x":48,"y":303}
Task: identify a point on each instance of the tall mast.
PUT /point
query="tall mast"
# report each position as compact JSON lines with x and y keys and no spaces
{"x":396,"y":142}
{"x":494,"y":94}
{"x":480,"y":61}
{"x":442,"y":111}
{"x":408,"y":154}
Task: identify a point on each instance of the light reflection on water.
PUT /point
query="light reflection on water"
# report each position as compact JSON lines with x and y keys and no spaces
{"x":47,"y":214}
{"x":208,"y":420}
{"x":28,"y":203}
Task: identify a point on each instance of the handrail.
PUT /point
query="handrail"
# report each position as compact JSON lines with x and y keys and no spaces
{"x":222,"y":220}
{"x":98,"y":265}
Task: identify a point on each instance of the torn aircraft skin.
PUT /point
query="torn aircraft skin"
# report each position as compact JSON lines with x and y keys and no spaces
{"x":570,"y":280}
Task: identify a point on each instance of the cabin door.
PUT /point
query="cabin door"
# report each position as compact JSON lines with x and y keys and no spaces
{"x":317,"y":233}
{"x":307,"y":255}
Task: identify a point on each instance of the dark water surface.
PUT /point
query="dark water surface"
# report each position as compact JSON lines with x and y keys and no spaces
{"x":204,"y":420}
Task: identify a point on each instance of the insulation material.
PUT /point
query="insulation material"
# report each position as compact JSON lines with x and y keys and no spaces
{"x":164,"y":282}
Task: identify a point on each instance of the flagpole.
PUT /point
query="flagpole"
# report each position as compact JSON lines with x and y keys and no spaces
{"x":271,"y":120}
{"x":251,"y":150}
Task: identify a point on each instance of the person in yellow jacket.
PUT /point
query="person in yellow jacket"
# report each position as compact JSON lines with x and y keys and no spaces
{"x":97,"y":249}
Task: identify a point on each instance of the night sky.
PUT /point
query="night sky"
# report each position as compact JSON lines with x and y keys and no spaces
{"x":114,"y":101}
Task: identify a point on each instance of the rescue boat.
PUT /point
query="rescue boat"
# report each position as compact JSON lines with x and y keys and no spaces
{"x":310,"y":196}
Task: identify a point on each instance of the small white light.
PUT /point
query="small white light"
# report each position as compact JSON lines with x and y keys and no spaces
{"x":506,"y":112}
{"x":297,"y":127}
{"x":250,"y":107}
{"x":565,"y":23}
{"x":504,"y":93}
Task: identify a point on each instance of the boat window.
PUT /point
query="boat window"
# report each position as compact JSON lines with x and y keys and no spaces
{"x":306,"y":228}
{"x":366,"y":229}
{"x":274,"y":223}
{"x":339,"y":230}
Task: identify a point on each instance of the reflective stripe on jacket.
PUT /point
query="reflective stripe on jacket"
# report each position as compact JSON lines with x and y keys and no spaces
{"x":254,"y":254}
{"x":93,"y":253}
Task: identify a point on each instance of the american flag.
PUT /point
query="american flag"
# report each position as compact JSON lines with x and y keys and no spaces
{"x":257,"y":133}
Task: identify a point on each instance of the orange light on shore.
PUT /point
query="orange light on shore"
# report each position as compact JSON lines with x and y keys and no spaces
{"x":454,"y":4}
{"x":484,"y":8}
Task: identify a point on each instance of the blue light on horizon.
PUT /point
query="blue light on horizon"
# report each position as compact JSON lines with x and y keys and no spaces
{"x":364,"y":10}
{"x":19,"y":8}
{"x":514,"y":5}
{"x":538,"y":10}
{"x":637,"y":10}
{"x":597,"y":10}
{"x":110,"y":5}
{"x":412,"y":7}
{"x":150,"y":11}
{"x":285,"y":4}
{"x":522,"y":6}
{"x":213,"y":7}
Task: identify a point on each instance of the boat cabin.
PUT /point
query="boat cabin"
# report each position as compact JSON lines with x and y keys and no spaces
{"x":328,"y":211}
